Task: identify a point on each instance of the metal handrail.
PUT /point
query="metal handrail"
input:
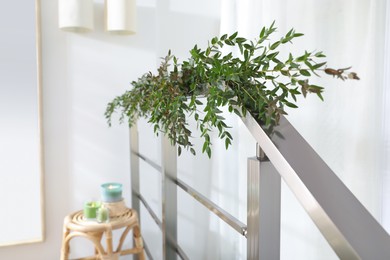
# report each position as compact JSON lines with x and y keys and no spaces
{"x":349,"y":228}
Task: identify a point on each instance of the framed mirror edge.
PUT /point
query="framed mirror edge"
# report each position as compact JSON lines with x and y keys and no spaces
{"x":38,"y":40}
{"x":38,"y":48}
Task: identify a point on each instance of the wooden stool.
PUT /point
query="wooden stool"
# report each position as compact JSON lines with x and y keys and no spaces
{"x":75,"y":225}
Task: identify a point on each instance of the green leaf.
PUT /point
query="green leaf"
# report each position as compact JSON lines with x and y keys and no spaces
{"x":289,"y":104}
{"x":319,"y":65}
{"x":262,"y":32}
{"x":272,"y":55}
{"x":156,"y":128}
{"x":285,"y":40}
{"x":320,"y":96}
{"x":308,"y":64}
{"x":227,"y":143}
{"x":246,"y":55}
{"x":305,"y":73}
{"x":279,"y":66}
{"x":229,"y":135}
{"x":208,"y":151}
{"x":229,"y":42}
{"x":233,"y":36}
{"x":205,"y":145}
{"x":237,"y":112}
{"x":298,"y":35}
{"x":290,"y":58}
{"x":240,"y":40}
{"x":290,"y":33}
{"x":285,"y":72}
{"x":198,"y":102}
{"x":274,"y":45}
{"x":248,"y":46}
{"x":272,"y":25}
{"x":294,"y":65}
{"x":219,"y":126}
{"x":319,"y":55}
{"x":241,"y":49}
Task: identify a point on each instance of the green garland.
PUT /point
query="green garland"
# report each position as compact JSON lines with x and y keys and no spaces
{"x":257,"y":81}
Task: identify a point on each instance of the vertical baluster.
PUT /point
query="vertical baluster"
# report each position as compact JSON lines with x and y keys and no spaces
{"x":134,"y":168}
{"x":169,"y":199}
{"x":263,"y":220}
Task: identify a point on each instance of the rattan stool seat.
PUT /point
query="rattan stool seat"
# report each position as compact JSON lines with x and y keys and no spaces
{"x":75,"y":225}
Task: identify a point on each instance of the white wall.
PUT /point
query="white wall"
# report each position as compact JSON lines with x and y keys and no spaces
{"x":81,"y":74}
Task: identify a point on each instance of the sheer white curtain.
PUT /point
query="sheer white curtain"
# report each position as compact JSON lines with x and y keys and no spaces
{"x":350,"y":130}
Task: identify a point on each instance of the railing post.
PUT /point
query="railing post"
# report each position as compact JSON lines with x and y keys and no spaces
{"x":169,"y":199}
{"x":134,"y":168}
{"x":263,"y":219}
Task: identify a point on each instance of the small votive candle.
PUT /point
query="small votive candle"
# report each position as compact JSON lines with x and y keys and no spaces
{"x":90,"y":209}
{"x":111,"y":192}
{"x":102,"y":215}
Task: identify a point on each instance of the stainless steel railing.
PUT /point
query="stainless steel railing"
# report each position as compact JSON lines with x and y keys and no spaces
{"x":343,"y":221}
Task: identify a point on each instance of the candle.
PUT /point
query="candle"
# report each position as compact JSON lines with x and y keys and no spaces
{"x":111,"y":192}
{"x":102,"y":214}
{"x":90,"y":208}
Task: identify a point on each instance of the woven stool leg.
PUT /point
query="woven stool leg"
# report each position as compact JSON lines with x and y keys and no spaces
{"x":139,"y":242}
{"x":65,"y":247}
{"x":123,"y":237}
{"x":109,"y":240}
{"x":65,"y":244}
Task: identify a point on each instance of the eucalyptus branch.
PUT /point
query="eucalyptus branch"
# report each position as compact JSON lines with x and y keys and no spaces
{"x":256,"y":81}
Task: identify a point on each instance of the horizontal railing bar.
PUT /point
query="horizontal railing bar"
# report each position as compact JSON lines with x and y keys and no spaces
{"x":178,"y":249}
{"x":151,"y":212}
{"x":148,"y":161}
{"x":349,"y":228}
{"x":181,"y":253}
{"x":221,"y":213}
{"x":147,"y":251}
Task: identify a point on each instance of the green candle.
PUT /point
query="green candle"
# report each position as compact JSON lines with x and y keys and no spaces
{"x":90,"y":209}
{"x":102,"y":215}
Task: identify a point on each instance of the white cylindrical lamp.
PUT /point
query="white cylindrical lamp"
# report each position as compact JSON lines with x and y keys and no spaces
{"x":121,"y":16}
{"x":75,"y":15}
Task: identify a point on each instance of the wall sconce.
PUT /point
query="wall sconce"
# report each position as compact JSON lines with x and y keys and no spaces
{"x":121,"y":16}
{"x":75,"y":15}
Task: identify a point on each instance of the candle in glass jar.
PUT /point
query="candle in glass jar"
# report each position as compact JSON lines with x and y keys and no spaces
{"x":90,"y":209}
{"x":111,"y":192}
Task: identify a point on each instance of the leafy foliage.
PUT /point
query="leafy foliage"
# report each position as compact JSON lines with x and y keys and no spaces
{"x":256,"y":80}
